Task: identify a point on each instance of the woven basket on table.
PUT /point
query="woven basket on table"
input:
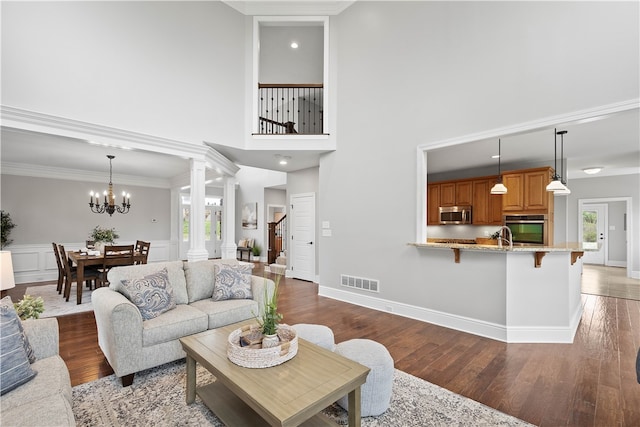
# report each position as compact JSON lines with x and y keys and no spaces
{"x":263,"y":357}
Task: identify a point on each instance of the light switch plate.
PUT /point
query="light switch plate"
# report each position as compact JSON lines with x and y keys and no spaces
{"x":326,"y":233}
{"x":325,"y":224}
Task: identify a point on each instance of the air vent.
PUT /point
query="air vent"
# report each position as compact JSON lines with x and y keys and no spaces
{"x":360,"y":283}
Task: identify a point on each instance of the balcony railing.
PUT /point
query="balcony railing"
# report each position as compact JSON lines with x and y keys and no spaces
{"x":290,"y":109}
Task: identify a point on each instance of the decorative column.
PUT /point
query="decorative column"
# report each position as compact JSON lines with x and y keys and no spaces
{"x":197,"y":250}
{"x":229,"y":246}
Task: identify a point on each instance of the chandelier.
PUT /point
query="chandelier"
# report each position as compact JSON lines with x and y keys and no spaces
{"x":109,"y":206}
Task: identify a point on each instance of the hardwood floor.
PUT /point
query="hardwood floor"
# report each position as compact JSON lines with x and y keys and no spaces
{"x":591,"y":382}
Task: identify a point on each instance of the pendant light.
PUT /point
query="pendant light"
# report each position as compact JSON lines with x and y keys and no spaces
{"x":563,"y":179}
{"x":499,"y":188}
{"x":555,"y":184}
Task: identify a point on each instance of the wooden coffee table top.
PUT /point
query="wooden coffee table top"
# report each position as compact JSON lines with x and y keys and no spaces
{"x":286,"y":394}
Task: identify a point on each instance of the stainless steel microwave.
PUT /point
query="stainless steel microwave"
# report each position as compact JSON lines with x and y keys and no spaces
{"x":455,"y":214}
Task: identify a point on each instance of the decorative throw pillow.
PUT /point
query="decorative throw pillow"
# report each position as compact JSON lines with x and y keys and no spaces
{"x":232,"y":282}
{"x":152,"y":294}
{"x":15,"y":368}
{"x":27,"y":346}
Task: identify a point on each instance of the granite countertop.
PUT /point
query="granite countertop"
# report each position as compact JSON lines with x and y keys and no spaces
{"x":562,"y":247}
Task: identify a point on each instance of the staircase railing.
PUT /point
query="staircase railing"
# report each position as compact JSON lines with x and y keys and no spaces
{"x":277,"y":239}
{"x":290,"y":108}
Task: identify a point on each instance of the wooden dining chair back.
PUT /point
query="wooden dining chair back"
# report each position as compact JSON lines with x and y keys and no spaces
{"x":114,"y":255}
{"x":142,"y":248}
{"x":61,"y":273}
{"x":70,"y":275}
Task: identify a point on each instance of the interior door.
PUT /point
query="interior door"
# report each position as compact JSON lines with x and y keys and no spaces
{"x":593,"y":232}
{"x":303,"y":236}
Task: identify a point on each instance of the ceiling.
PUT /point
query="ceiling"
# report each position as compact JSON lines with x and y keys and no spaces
{"x":612,"y":143}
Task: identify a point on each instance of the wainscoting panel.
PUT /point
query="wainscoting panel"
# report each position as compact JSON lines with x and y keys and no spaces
{"x":36,"y":263}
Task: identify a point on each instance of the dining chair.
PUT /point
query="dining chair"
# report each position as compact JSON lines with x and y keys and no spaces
{"x":142,"y":248}
{"x":114,"y":255}
{"x":56,"y":253}
{"x":70,"y":275}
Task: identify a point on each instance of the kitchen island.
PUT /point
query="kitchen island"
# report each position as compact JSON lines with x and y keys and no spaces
{"x":509,"y":294}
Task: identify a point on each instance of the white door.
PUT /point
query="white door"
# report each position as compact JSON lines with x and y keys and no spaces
{"x":593,"y":232}
{"x":303,"y":236}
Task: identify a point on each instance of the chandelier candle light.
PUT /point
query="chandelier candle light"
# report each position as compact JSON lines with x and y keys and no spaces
{"x":109,"y":206}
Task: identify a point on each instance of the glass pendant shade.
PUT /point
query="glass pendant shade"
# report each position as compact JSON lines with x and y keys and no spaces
{"x":564,"y":192}
{"x":556,"y":185}
{"x":499,"y":188}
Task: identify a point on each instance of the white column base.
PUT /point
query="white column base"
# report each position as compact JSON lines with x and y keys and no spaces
{"x":197,"y":255}
{"x":229,"y":250}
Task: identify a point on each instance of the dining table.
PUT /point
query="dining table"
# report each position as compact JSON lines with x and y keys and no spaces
{"x":83,"y":259}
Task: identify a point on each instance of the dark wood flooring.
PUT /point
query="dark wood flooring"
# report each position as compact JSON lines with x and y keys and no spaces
{"x":591,"y":382}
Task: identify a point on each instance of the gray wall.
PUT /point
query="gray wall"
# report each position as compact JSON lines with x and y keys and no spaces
{"x":279,"y":63}
{"x":617,"y":233}
{"x":610,"y":187}
{"x":57,"y":210}
{"x":463,"y":68}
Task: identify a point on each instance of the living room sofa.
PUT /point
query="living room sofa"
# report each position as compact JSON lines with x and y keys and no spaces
{"x":132,"y":344}
{"x":45,"y":400}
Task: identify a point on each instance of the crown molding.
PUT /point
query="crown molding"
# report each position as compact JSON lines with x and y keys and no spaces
{"x":287,"y":8}
{"x":49,"y":172}
{"x":45,"y":123}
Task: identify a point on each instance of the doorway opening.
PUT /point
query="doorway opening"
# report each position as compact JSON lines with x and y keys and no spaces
{"x":604,"y":222}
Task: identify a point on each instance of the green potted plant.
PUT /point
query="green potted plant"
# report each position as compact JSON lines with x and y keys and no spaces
{"x":256,"y":250}
{"x":270,"y":317}
{"x":7,"y":226}
{"x":101,"y":236}
{"x":29,"y":307}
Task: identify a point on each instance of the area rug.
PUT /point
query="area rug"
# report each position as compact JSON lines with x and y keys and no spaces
{"x":55,"y":304}
{"x":157,"y":397}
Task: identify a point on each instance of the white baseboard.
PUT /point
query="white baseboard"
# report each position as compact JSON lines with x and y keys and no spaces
{"x":528,"y":334}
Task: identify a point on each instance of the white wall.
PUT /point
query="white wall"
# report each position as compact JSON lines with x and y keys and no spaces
{"x":171,"y":69}
{"x":411,"y":73}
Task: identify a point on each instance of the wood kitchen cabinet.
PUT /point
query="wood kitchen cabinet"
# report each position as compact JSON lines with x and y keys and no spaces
{"x":487,"y":207}
{"x":433,"y":204}
{"x":527,"y":191}
{"x":459,"y":193}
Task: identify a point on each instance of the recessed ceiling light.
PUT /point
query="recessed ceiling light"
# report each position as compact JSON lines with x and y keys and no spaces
{"x":592,"y":170}
{"x":294,"y":45}
{"x":495,"y":156}
{"x":283,"y":160}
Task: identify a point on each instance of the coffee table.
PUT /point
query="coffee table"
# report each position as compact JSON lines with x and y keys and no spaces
{"x":289,"y":394}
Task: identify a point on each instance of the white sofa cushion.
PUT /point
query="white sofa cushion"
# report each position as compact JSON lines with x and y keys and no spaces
{"x":222,"y":313}
{"x":180,"y":322}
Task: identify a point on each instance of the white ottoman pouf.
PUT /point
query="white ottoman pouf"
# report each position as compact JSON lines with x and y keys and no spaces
{"x":376,"y":391}
{"x":318,"y":334}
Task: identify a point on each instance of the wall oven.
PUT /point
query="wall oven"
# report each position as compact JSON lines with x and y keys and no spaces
{"x":455,"y":214}
{"x":528,"y":229}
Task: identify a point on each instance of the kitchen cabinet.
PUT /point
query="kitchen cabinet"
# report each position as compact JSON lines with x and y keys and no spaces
{"x":433,"y":204}
{"x":527,"y":191}
{"x":487,"y":207}
{"x":458,"y":193}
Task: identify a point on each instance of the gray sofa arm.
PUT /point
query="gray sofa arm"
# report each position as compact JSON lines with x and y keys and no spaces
{"x":258,"y":286}
{"x":43,"y":335}
{"x":119,"y":329}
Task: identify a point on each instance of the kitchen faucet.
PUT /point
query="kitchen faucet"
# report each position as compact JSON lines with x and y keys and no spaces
{"x":509,"y":240}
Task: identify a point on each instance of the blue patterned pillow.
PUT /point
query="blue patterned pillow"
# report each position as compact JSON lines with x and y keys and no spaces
{"x":15,"y":368}
{"x":232,"y":282}
{"x":152,"y":294}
